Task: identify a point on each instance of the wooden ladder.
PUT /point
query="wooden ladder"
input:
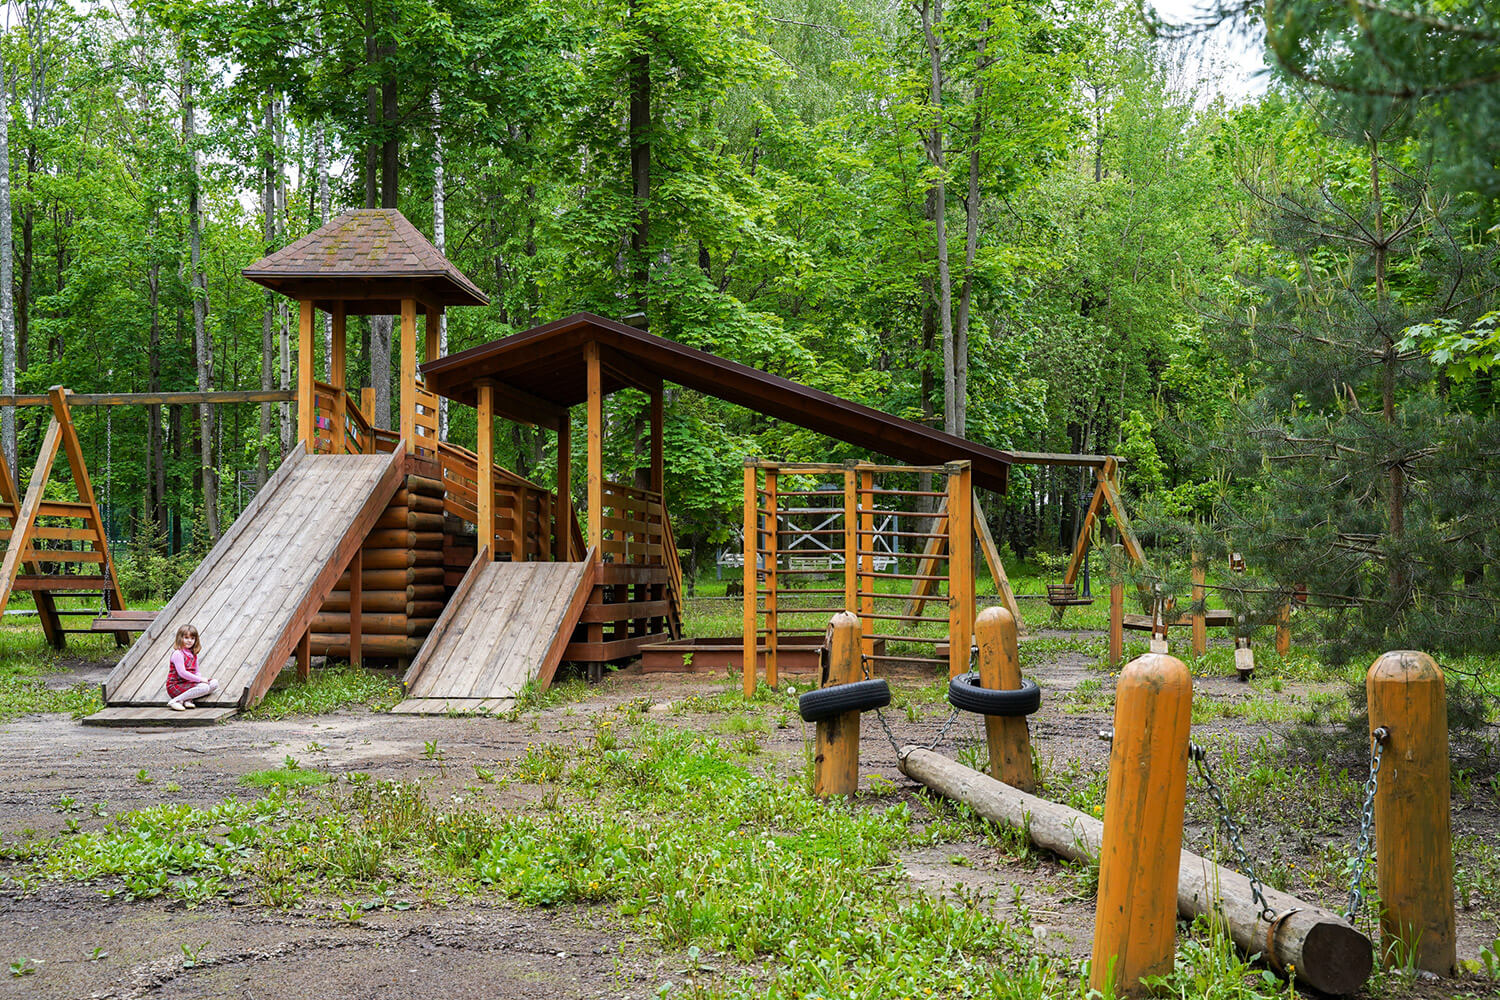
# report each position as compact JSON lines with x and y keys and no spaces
{"x":57,"y":548}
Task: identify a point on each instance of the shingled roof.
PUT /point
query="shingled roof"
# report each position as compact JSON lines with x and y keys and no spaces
{"x":370,"y":259}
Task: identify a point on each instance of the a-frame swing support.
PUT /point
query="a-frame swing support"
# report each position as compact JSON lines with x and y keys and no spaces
{"x":25,"y":567}
{"x":1106,"y":492}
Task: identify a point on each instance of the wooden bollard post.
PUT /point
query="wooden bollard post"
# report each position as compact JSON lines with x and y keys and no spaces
{"x":1116,"y":607}
{"x":836,"y":766}
{"x":1413,"y":825}
{"x":1200,"y":617}
{"x":1284,"y":630}
{"x":1009,"y":738}
{"x":1135,"y":924}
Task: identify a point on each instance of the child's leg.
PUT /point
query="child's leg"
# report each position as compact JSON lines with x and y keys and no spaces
{"x":197,"y":691}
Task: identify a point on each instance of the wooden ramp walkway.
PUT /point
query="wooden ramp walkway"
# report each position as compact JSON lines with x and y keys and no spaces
{"x":507,"y":624}
{"x":255,"y":594}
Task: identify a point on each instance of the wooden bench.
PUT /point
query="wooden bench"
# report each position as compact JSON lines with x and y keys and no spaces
{"x":123,"y":621}
{"x":1062,"y":595}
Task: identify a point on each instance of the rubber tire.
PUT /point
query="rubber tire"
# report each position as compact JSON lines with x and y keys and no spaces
{"x":965,"y":694}
{"x":860,"y":696}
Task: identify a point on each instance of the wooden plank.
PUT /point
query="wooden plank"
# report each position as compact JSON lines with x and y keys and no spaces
{"x":462,"y":635}
{"x":992,"y":559}
{"x":509,"y":628}
{"x":932,"y":550}
{"x":435,"y":639}
{"x":305,"y":377}
{"x":553,"y":656}
{"x":595,"y":447}
{"x":750,"y":619}
{"x":129,"y":717}
{"x":26,"y":514}
{"x":960,"y":567}
{"x":154,"y":398}
{"x":408,"y":366}
{"x":605,"y":651}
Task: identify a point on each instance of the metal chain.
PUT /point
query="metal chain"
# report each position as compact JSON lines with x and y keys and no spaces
{"x":942,"y":731}
{"x":1366,"y":840}
{"x":1232,"y":831}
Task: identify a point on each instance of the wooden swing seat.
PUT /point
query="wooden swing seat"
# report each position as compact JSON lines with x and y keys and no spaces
{"x":1065,"y":595}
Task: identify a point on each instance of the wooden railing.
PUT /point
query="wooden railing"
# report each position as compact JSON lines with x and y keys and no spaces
{"x":525,"y":514}
{"x":426,"y":403}
{"x":633,"y":523}
{"x":335,"y":408}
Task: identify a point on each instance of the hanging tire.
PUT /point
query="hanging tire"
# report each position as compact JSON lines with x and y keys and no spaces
{"x":860,"y":696}
{"x":965,"y":694}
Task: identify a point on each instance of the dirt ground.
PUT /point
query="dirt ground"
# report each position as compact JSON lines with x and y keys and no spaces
{"x":466,"y":949}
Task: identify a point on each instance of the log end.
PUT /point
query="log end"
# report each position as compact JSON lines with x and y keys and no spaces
{"x":1336,"y":958}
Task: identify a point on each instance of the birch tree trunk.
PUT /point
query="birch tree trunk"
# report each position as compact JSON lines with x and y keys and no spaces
{"x":439,"y":239}
{"x":198,"y":283}
{"x":320,"y":166}
{"x":7,"y":302}
{"x":931,"y":12}
{"x":268,"y":320}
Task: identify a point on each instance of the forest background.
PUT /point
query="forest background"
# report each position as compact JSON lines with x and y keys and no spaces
{"x":1023,"y":221}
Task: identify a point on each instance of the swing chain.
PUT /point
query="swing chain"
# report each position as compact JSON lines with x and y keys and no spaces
{"x":1366,"y":841}
{"x":1232,"y":831}
{"x":942,"y":730}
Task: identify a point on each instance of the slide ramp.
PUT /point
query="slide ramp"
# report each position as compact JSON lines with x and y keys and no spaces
{"x":507,"y":624}
{"x":256,"y":592}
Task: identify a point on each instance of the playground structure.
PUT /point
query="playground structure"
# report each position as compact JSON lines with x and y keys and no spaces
{"x":56,"y":550}
{"x":1146,"y":879}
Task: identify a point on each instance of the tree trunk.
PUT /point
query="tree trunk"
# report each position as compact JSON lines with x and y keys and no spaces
{"x":1389,"y":362}
{"x":283,"y":304}
{"x":971,"y":235}
{"x":156,"y":453}
{"x":932,"y":12}
{"x":7,"y":301}
{"x":198,"y":284}
{"x":439,"y":239}
{"x":268,"y":321}
{"x":640,"y":172}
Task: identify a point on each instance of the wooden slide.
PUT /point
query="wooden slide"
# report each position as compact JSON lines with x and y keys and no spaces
{"x":256,"y":592}
{"x":506,"y":624}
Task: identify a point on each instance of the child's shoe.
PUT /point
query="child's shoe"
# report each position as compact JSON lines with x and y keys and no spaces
{"x":188,"y":704}
{"x":176,"y":706}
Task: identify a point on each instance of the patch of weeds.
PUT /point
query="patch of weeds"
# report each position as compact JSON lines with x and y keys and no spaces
{"x":329,"y":690}
{"x":532,"y":699}
{"x":291,"y":774}
{"x":1089,"y":696}
{"x":143,"y":777}
{"x":541,"y":764}
{"x":23,"y":967}
{"x":739,"y":724}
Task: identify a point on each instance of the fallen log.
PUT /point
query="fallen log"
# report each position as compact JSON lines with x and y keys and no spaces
{"x":1315,"y":945}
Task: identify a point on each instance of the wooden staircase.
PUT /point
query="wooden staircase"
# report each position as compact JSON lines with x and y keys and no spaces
{"x":57,"y":549}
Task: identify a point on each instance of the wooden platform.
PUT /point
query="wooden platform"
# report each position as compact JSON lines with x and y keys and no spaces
{"x":506,"y":624}
{"x":130,"y":716}
{"x":1214,"y":618}
{"x":255,"y":594}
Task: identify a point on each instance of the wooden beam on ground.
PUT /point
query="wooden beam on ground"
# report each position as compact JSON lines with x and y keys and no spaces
{"x":1328,"y":954}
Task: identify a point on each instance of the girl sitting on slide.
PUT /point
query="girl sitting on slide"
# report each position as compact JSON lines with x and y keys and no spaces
{"x":184,"y":683}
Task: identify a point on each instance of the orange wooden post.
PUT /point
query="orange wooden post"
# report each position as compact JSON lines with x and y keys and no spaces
{"x":304,"y":657}
{"x":960,"y":566}
{"x":851,"y":538}
{"x":367,"y":406}
{"x":752,"y":552}
{"x":1116,"y":606}
{"x":864,"y":541}
{"x":408,"y":421}
{"x":338,"y":377}
{"x":1000,"y":668}
{"x":485,"y":481}
{"x":771,"y":581}
{"x":1135,"y":923}
{"x":356,"y":608}
{"x":1199,"y":618}
{"x":1284,"y":630}
{"x":564,"y":509}
{"x":595,"y":448}
{"x":434,"y":334}
{"x":306,"y":425}
{"x":836,"y":764}
{"x":1413,"y":825}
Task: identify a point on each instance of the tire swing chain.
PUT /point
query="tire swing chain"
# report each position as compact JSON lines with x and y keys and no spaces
{"x":864,"y":666}
{"x":1361,"y":859}
{"x":1232,"y":831}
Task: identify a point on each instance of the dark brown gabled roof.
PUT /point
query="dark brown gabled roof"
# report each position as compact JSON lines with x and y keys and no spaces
{"x":369,"y":258}
{"x":546,"y":369}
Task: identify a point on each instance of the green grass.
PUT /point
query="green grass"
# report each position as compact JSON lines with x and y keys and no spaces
{"x":329,"y":690}
{"x":25,"y":660}
{"x":290,"y":775}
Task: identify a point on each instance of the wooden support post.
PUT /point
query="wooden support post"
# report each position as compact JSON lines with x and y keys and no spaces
{"x":485,"y":481}
{"x":836,"y":763}
{"x":367,"y":404}
{"x":408,"y":423}
{"x":1135,"y":922}
{"x":1413,"y":825}
{"x":1284,"y":630}
{"x":1086,"y":530}
{"x":434,"y":333}
{"x":1009,"y":738}
{"x":865,"y":541}
{"x":1199,"y":617}
{"x":960,"y":566}
{"x":564,"y":510}
{"x":992,"y":558}
{"x":306,"y":425}
{"x":356,"y":607}
{"x":851,"y":538}
{"x":304,"y":657}
{"x":595,"y":448}
{"x":338,"y":377}
{"x":658,"y":446}
{"x":1324,"y":952}
{"x":1116,"y":606}
{"x":751,"y":620}
{"x":771,"y":579}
